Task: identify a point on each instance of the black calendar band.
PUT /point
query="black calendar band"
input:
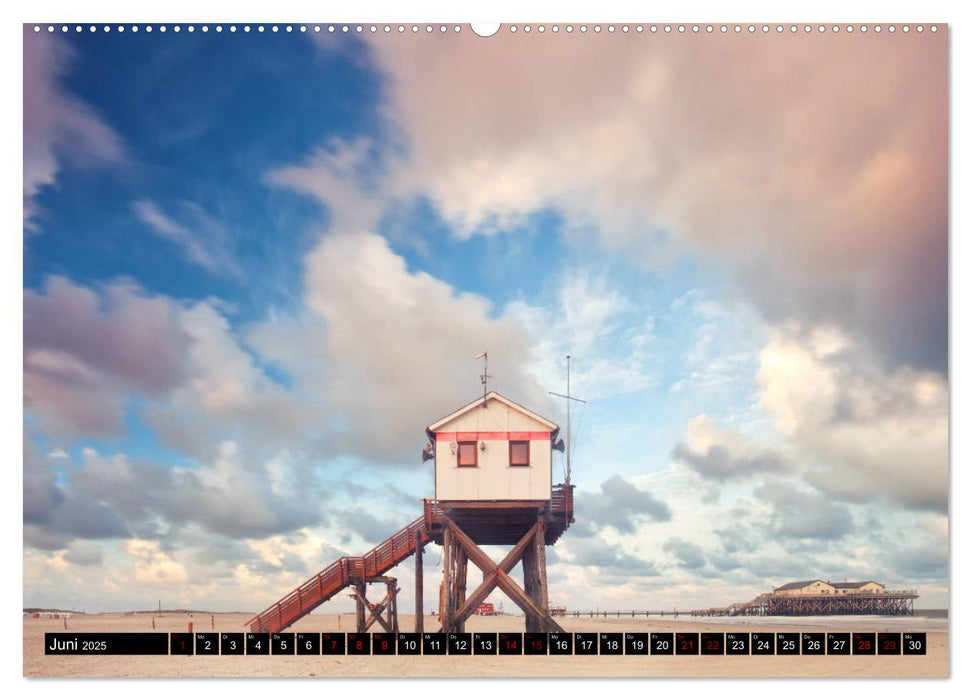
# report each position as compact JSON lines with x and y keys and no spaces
{"x":489,"y":643}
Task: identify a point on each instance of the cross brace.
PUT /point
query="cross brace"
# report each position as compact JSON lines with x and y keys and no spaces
{"x":497,"y":575}
{"x":376,"y":610}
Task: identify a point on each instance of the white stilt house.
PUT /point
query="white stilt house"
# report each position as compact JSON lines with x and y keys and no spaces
{"x":493,"y":449}
{"x":493,"y":485}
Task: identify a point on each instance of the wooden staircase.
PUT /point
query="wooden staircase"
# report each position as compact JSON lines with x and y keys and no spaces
{"x":339,"y":575}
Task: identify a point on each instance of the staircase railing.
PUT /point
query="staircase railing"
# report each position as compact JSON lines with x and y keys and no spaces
{"x":340,"y":574}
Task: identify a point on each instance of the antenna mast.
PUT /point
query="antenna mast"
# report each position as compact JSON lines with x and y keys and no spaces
{"x":569,"y":399}
{"x":568,"y":402}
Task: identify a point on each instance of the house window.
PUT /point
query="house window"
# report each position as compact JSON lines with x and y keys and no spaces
{"x":467,"y":454}
{"x":519,"y":453}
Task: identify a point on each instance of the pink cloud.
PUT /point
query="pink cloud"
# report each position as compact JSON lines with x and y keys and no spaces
{"x":812,"y":167}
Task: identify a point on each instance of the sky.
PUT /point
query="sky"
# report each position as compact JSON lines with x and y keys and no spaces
{"x":257,"y":265}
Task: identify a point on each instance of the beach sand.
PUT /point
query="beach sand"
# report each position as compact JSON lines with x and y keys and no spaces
{"x":933,"y":665}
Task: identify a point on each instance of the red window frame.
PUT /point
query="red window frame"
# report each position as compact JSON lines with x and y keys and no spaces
{"x":518,"y":443}
{"x":475,"y":454}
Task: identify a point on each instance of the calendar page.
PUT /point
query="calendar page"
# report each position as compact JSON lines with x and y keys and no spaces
{"x":536,"y":349}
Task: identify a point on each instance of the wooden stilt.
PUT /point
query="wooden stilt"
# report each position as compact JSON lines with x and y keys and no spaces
{"x":530,"y":584}
{"x":446,"y":604}
{"x":542,"y":595}
{"x":419,"y":590}
{"x":360,"y":590}
{"x":461,"y":561}
{"x":393,"y":606}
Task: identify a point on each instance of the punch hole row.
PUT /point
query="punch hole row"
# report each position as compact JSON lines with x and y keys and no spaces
{"x":711,"y":29}
{"x":260,"y":28}
{"x":513,"y":28}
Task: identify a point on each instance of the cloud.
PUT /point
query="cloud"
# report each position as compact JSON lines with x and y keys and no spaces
{"x":620,"y":505}
{"x":84,"y":554}
{"x":123,"y":331}
{"x":775,"y":157}
{"x":41,"y":494}
{"x":84,"y":352}
{"x":717,"y":463}
{"x":226,"y":383}
{"x":370,"y":528}
{"x":689,"y":555}
{"x":927,"y":560}
{"x":249,"y":442}
{"x":111,"y":497}
{"x":345,"y":176}
{"x":205,"y":571}
{"x":59,"y":128}
{"x":205,"y":245}
{"x":800,"y":513}
{"x":865,"y":432}
{"x":724,"y":455}
{"x":152,"y":565}
{"x":389,"y":350}
{"x":87,"y":352}
{"x":738,"y":536}
{"x":768,"y":530}
{"x":595,"y":551}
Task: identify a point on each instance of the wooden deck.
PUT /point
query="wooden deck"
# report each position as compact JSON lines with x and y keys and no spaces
{"x":502,"y":522}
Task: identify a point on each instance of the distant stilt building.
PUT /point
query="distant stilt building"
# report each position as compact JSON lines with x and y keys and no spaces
{"x":818,"y":597}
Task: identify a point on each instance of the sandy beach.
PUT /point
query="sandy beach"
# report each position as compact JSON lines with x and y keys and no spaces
{"x":933,"y":665}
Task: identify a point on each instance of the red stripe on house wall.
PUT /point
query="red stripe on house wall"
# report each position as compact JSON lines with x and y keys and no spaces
{"x":464,"y":437}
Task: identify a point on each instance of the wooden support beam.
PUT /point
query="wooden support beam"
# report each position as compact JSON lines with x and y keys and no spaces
{"x":419,"y":590}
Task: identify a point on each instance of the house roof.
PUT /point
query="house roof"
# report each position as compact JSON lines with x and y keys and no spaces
{"x":797,"y":584}
{"x":491,"y":396}
{"x":844,"y":584}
